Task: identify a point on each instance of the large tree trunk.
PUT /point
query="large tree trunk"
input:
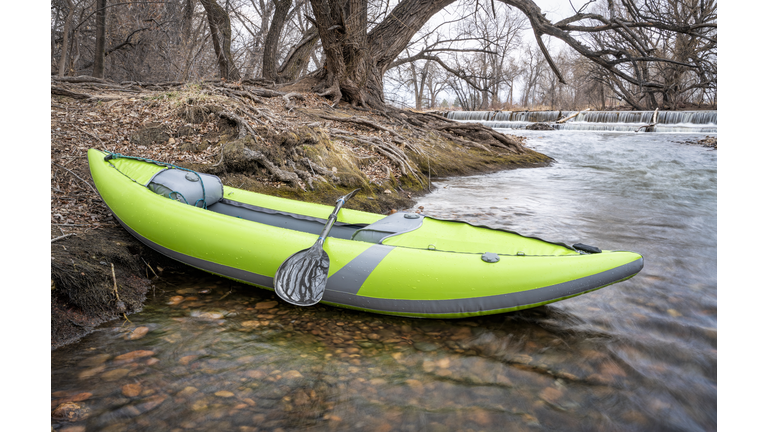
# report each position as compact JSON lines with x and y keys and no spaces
{"x":354,"y":60}
{"x":186,"y":20}
{"x":221,"y":35}
{"x":65,"y":42}
{"x":98,"y":54}
{"x":298,"y":58}
{"x":269,"y":63}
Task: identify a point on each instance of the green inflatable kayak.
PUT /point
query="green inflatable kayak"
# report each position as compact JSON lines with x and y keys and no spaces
{"x":404,"y":264}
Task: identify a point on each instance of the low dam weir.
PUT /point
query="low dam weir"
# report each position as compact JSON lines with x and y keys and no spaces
{"x":607,"y":121}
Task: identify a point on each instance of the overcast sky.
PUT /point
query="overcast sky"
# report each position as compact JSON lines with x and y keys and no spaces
{"x":555,"y":10}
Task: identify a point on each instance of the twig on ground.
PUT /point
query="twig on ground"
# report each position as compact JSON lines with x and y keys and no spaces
{"x":61,"y":237}
{"x":78,"y":177}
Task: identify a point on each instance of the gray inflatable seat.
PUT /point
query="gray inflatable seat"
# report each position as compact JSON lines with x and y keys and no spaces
{"x":193,"y":188}
{"x":391,"y":225}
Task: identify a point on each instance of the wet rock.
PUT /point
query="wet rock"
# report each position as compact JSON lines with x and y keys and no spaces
{"x":70,"y":411}
{"x":187,"y":391}
{"x":131,"y":390}
{"x":540,"y":126}
{"x":293,"y":374}
{"x":459,"y":333}
{"x":88,"y":373}
{"x":255,"y":374}
{"x":265,"y":305}
{"x":151,"y":403}
{"x":187,"y":359}
{"x":173,"y":301}
{"x":115,"y":374}
{"x":254,"y":323}
{"x":199,"y":405}
{"x":133,"y":355}
{"x":674,"y":313}
{"x":138,"y":333}
{"x":95,"y":360}
{"x":300,"y":398}
{"x":224,"y":394}
{"x":425,"y":346}
{"x":415,"y":385}
{"x":480,"y":416}
{"x":550,"y":394}
{"x":609,"y":373}
{"x":207,"y":315}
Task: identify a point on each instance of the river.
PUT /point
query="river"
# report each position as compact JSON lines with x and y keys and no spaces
{"x":210,"y":354}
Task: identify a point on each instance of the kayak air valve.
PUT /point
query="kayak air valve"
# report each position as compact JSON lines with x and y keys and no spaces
{"x":490,"y":257}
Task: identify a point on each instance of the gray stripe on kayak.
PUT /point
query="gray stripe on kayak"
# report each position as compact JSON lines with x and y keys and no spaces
{"x":489,"y":303}
{"x":345,"y":295}
{"x":351,"y":277}
{"x":231,"y":272}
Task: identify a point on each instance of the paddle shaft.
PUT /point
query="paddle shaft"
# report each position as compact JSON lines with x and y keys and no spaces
{"x":301,"y":278}
{"x":332,"y":218}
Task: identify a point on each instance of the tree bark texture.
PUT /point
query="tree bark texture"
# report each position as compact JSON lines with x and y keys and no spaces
{"x":65,"y":43}
{"x":355,"y":60}
{"x":221,"y":35}
{"x":101,"y":29}
{"x":298,"y":57}
{"x":269,"y":61}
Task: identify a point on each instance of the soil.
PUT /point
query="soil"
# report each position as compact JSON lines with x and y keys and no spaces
{"x":290,"y":144}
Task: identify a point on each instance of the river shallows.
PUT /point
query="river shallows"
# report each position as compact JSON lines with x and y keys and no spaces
{"x":208,"y":354}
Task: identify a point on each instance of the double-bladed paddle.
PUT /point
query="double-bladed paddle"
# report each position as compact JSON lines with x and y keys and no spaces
{"x":301,"y":279}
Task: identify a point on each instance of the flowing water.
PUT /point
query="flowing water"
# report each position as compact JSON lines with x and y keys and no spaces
{"x":210,"y":354}
{"x":623,"y":121}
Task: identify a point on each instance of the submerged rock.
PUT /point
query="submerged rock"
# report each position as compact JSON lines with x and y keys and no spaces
{"x":540,"y":126}
{"x":70,"y":411}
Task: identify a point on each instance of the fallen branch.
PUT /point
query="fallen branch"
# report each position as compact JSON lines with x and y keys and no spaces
{"x":572,"y":116}
{"x":79,"y":79}
{"x":61,"y":237}
{"x":58,"y":91}
{"x":652,"y":124}
{"x":120,"y":305}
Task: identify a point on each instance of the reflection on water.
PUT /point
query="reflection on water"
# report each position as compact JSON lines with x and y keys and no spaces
{"x":209,"y":354}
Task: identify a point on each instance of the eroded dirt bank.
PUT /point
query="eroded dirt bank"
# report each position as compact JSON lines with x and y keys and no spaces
{"x":278,"y":142}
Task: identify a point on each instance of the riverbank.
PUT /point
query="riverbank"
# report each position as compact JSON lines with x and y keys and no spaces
{"x":308,"y":151}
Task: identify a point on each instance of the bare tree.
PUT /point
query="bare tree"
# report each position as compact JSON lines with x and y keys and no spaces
{"x":98,"y":54}
{"x":221,"y":36}
{"x":625,"y":36}
{"x":649,"y":52}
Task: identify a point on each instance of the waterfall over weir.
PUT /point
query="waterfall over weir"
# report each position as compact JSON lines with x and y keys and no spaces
{"x":617,"y":121}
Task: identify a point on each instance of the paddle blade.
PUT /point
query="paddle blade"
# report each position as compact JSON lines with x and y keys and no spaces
{"x":301,"y":279}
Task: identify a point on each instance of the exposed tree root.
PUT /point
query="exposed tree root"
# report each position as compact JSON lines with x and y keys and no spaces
{"x":282,"y":175}
{"x":281,"y":144}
